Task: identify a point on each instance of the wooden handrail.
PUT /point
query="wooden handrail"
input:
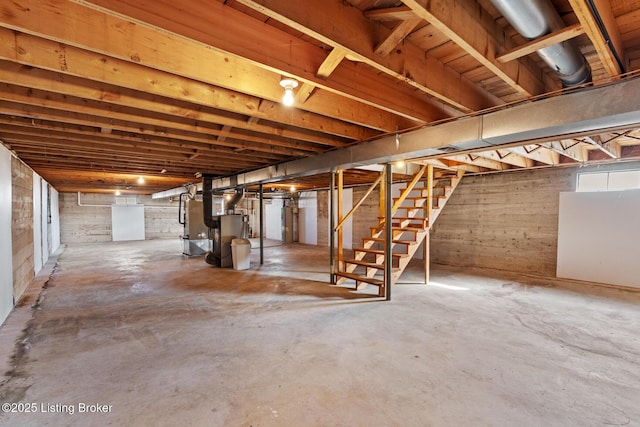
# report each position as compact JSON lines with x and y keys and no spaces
{"x":406,"y":192}
{"x":357,"y":205}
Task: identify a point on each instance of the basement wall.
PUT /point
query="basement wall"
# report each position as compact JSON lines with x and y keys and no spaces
{"x":506,"y":221}
{"x":90,"y":221}
{"x":22,"y":226}
{"x":366,"y":216}
{"x":28,"y":227}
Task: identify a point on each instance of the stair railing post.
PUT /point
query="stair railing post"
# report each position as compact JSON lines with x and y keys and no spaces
{"x":388,"y":233}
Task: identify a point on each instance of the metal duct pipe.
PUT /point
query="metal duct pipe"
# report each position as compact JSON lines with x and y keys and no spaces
{"x":536,"y":18}
{"x":207,"y":200}
{"x":230,"y":204}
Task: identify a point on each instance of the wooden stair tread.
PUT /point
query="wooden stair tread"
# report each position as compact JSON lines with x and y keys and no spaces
{"x":395,"y":199}
{"x":402,"y":229}
{"x":368,"y":264}
{"x":399,"y":241}
{"x":404,"y":218}
{"x":359,"y":278}
{"x":378,"y":252}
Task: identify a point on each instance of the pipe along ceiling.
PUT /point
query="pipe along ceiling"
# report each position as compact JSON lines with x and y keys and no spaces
{"x":536,"y":18}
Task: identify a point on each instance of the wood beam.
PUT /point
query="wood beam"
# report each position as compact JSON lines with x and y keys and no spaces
{"x":82,"y":138}
{"x":599,"y":145}
{"x":339,"y":25}
{"x":572,"y":149}
{"x":604,"y":49}
{"x":398,"y":34}
{"x":224,"y":132}
{"x":129,"y":41}
{"x":508,"y":157}
{"x":542,"y":42}
{"x":13,"y":113}
{"x":65,"y":102}
{"x":331,"y":62}
{"x":538,"y":153}
{"x":481,"y":161}
{"x":402,"y":13}
{"x":464,"y":26}
{"x":71,"y":61}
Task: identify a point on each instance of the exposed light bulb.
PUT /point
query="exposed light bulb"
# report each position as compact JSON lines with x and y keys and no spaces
{"x":288,"y":85}
{"x":287,"y":98}
{"x":140,"y":180}
{"x":293,"y":188}
{"x":118,"y":192}
{"x":400,"y":163}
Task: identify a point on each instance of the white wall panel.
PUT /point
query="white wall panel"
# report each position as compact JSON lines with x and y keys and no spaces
{"x":46,"y":244}
{"x":6,"y":255}
{"x":55,"y":220}
{"x":127,"y":222}
{"x":273,"y":220}
{"x":37,"y":223}
{"x":599,"y":237}
{"x":308,"y":218}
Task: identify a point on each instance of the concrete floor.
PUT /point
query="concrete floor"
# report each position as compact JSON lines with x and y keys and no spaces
{"x":166,"y":340}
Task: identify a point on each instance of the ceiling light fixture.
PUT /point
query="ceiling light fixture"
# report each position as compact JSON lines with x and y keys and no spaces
{"x":140,"y":180}
{"x":118,"y":192}
{"x":293,"y":188}
{"x":288,"y":85}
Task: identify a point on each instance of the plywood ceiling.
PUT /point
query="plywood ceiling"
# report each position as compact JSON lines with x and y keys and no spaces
{"x":95,"y":93}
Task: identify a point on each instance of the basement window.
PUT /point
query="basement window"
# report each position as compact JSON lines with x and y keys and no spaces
{"x":126,"y":200}
{"x":609,"y":181}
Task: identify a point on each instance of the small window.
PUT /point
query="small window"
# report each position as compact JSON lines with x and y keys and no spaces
{"x":126,"y":200}
{"x":609,"y":181}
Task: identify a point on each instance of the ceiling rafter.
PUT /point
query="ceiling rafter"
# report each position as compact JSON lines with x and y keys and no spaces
{"x":52,"y":101}
{"x":606,"y":48}
{"x":184,"y":57}
{"x":399,"y":32}
{"x":463,"y":25}
{"x":262,"y":53}
{"x":537,"y":153}
{"x":533,"y":46}
{"x":409,"y":65}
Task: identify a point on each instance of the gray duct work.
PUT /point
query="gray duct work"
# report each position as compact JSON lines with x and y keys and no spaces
{"x":536,"y":18}
{"x":207,"y":200}
{"x":230,"y":205}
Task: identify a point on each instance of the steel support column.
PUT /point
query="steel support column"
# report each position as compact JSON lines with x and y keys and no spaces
{"x":332,"y":226}
{"x":261,"y":225}
{"x":388,"y":233}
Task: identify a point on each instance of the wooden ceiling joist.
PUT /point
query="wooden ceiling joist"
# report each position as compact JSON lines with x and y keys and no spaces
{"x":533,"y":46}
{"x":91,"y":89}
{"x":186,"y":58}
{"x":398,"y":34}
{"x":118,"y":74}
{"x":339,"y":25}
{"x":607,"y":48}
{"x":464,"y":26}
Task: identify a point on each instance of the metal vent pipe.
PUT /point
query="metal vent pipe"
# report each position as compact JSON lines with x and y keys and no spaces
{"x":230,"y":204}
{"x":536,"y":18}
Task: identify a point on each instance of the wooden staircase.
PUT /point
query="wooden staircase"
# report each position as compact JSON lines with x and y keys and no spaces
{"x":414,"y":211}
